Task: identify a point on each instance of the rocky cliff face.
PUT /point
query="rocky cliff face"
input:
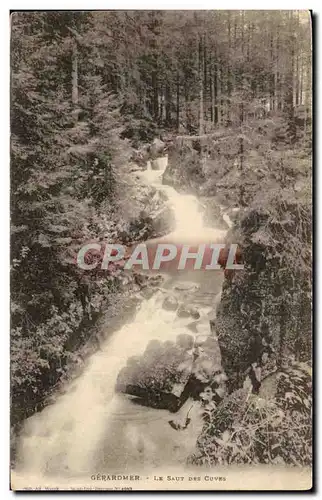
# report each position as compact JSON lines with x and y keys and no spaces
{"x":184,"y":169}
{"x":265,"y":315}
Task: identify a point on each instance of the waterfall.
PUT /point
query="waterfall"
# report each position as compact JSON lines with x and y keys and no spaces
{"x":90,"y":428}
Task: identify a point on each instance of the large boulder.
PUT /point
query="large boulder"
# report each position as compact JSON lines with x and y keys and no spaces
{"x":157,"y":148}
{"x":184,"y":170}
{"x":186,"y":285}
{"x":203,"y":327}
{"x":163,"y":221}
{"x":169,"y":373}
{"x":170,"y":303}
{"x":158,"y":378}
{"x":185,"y":341}
{"x":185,"y":311}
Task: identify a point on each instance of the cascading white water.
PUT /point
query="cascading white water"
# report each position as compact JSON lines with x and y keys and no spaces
{"x":187,"y":211}
{"x":90,"y":427}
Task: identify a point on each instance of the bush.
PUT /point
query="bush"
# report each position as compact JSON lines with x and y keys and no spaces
{"x":250,"y":429}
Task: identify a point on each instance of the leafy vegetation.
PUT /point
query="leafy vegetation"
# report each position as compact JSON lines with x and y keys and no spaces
{"x":250,"y":429}
{"x":66,"y":163}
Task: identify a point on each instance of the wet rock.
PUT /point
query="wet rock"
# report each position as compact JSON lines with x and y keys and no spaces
{"x":220,"y":391}
{"x":217,"y":300}
{"x":213,"y":215}
{"x":163,"y":221}
{"x":200,"y":340}
{"x":139,"y":297}
{"x":158,"y":377}
{"x":186,"y":312}
{"x":177,"y":389}
{"x":184,"y":170}
{"x":148,"y":293}
{"x":170,"y":304}
{"x":141,"y":280}
{"x":228,"y":220}
{"x":203,"y":327}
{"x":205,"y":311}
{"x":156,"y":148}
{"x":205,"y":366}
{"x":211,"y":345}
{"x":220,"y":378}
{"x":211,"y":316}
{"x":163,"y":196}
{"x":193,"y":326}
{"x":155,"y":280}
{"x":137,"y":229}
{"x":186,"y":285}
{"x":136,"y":168}
{"x":185,"y":341}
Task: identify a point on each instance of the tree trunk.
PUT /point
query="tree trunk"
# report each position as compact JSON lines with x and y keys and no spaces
{"x":215,"y":83}
{"x":178,"y":103}
{"x":75,"y":80}
{"x":221,"y":113}
{"x":297,"y":68}
{"x":289,"y":87}
{"x":241,"y":151}
{"x":301,"y":80}
{"x":278,"y":79}
{"x":297,"y":81}
{"x":155,"y":99}
{"x":187,"y":105}
{"x":272,"y":75}
{"x":161,"y":106}
{"x":243,"y":33}
{"x":235,"y":30}
{"x":212,"y":97}
{"x":200,"y":77}
{"x":168,"y":105}
{"x":205,"y":77}
{"x":229,"y":72}
{"x":282,"y":338}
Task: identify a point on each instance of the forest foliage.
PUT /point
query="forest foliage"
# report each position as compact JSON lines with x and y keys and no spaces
{"x":229,"y":93}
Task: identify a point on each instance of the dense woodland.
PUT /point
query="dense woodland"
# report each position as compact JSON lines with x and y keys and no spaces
{"x":229,"y":93}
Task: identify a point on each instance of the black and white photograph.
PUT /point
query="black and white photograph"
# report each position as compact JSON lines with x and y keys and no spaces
{"x":161,"y":250}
